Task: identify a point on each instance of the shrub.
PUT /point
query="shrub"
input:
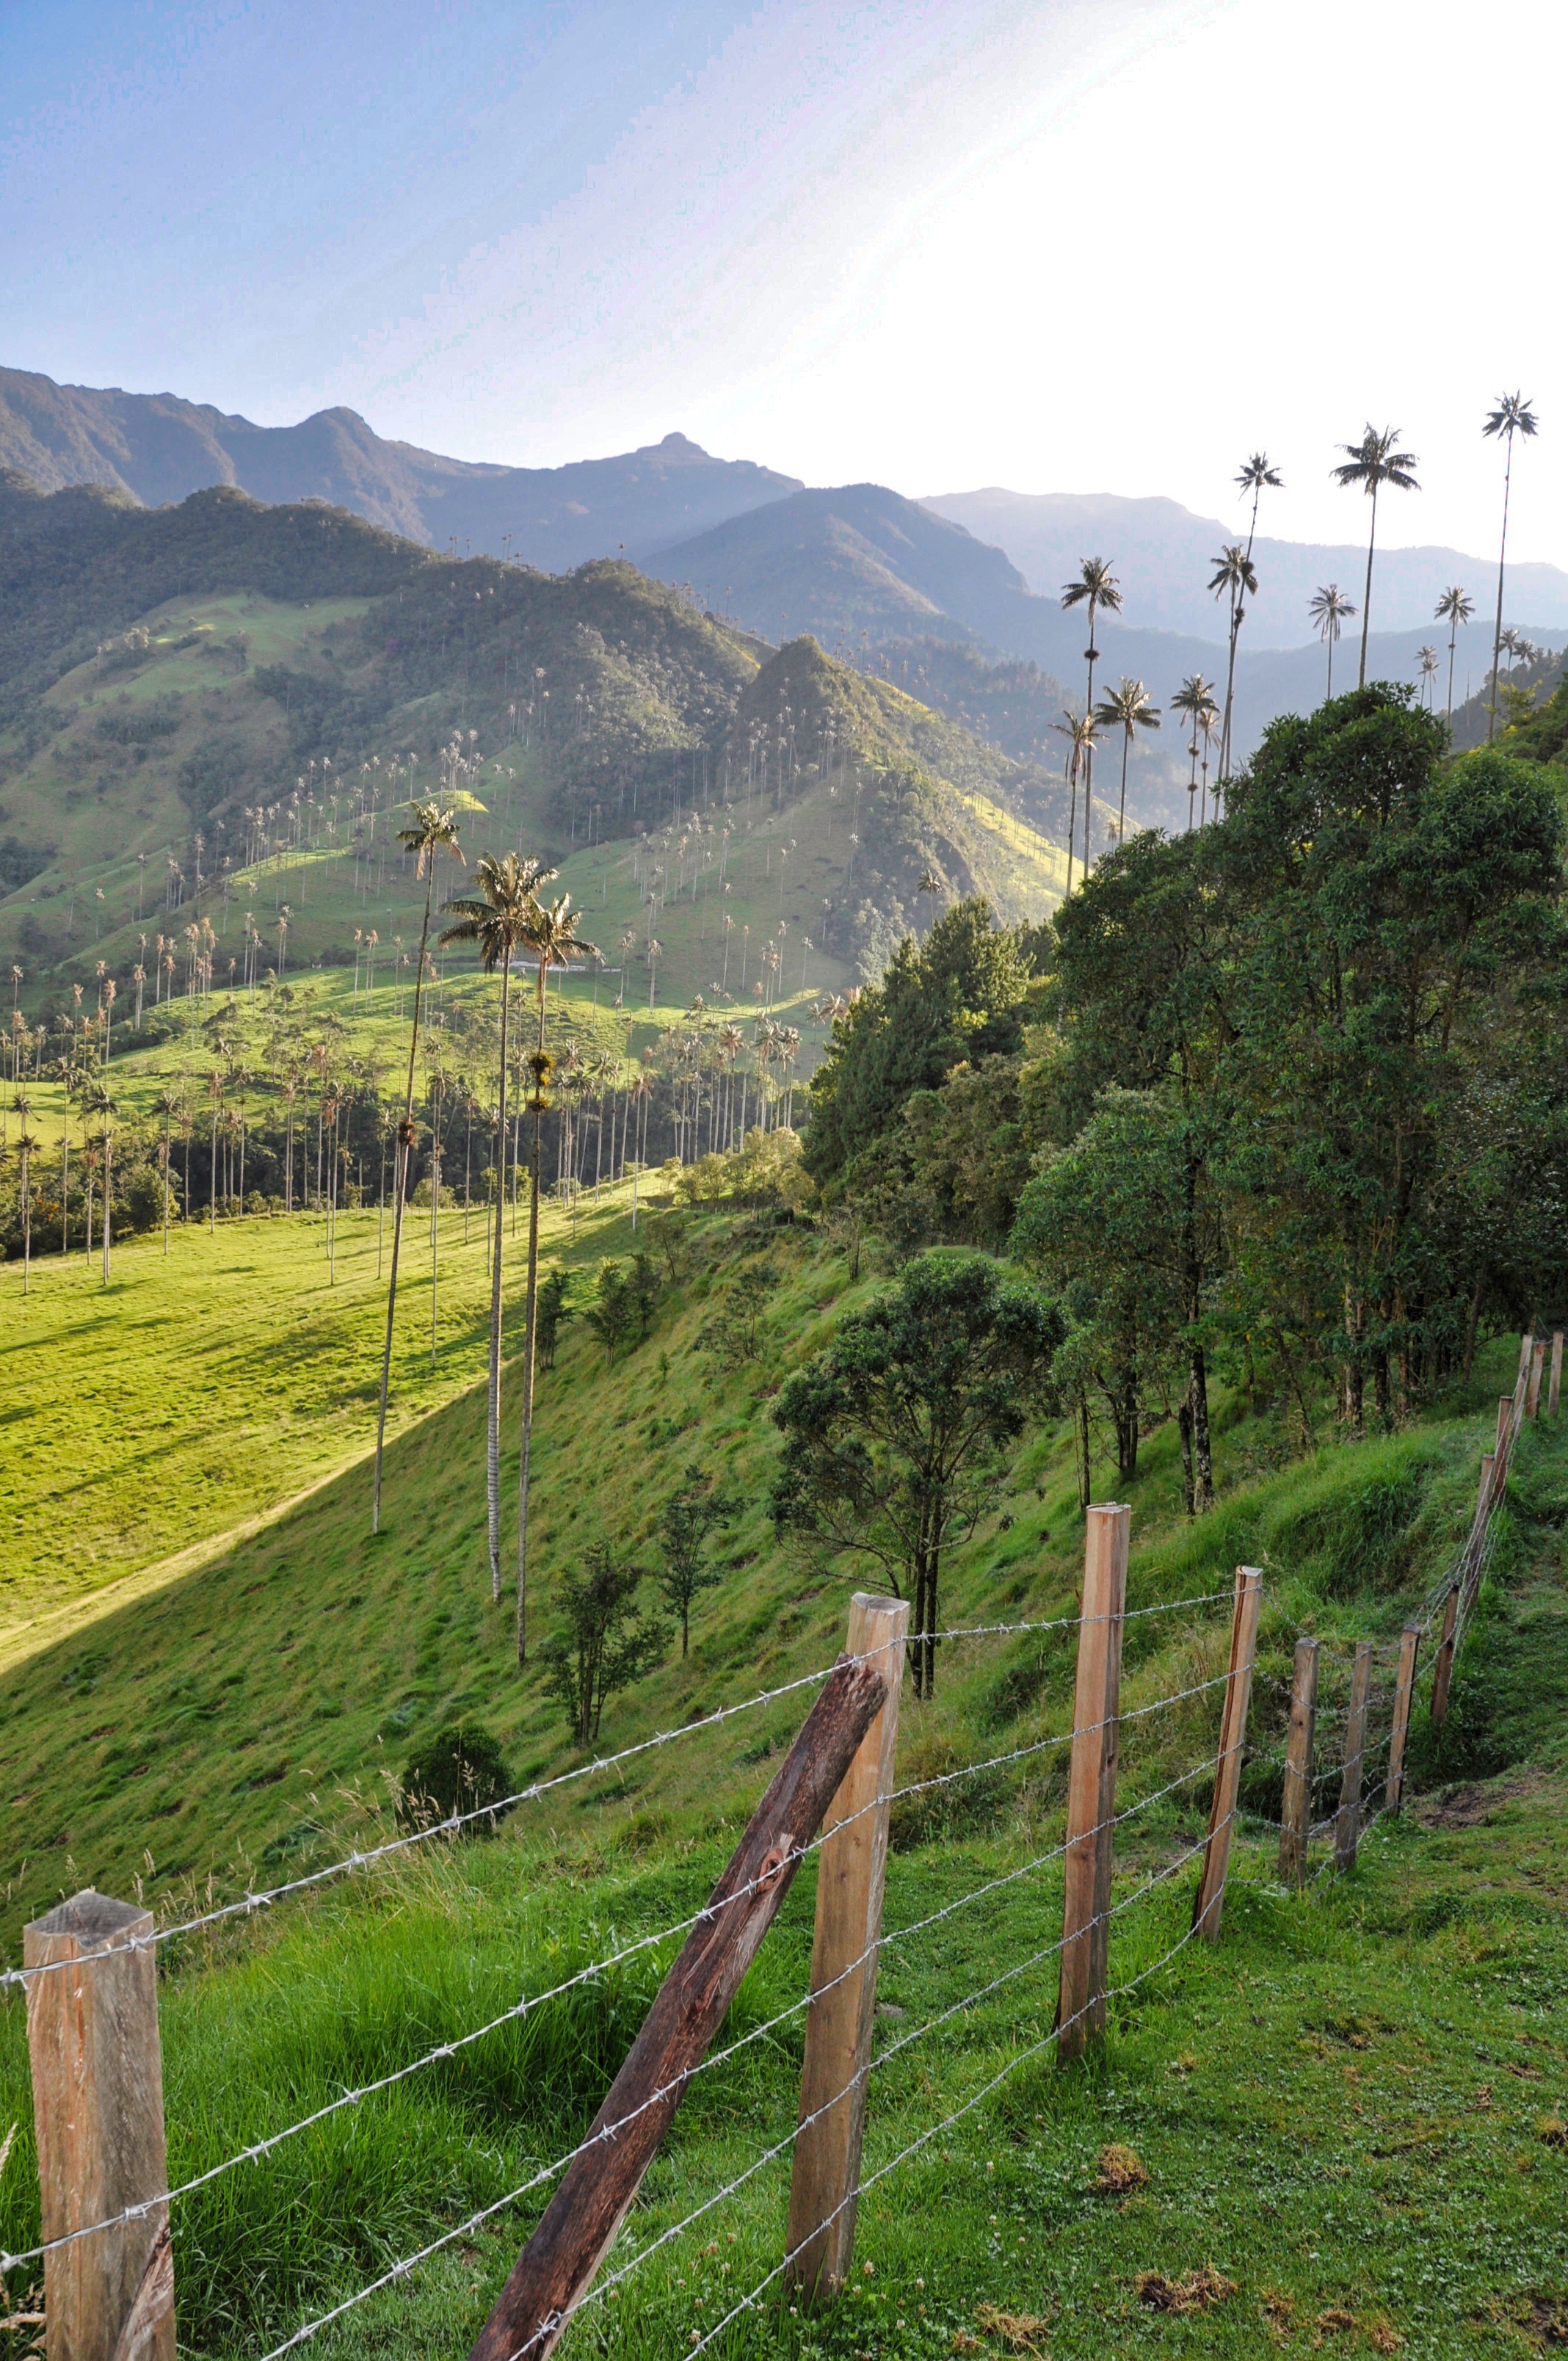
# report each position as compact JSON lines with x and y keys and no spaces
{"x":460,"y":1768}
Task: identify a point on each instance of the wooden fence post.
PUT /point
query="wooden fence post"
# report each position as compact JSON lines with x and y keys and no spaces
{"x":1296,"y":1811}
{"x":1347,"y":1825}
{"x":98,"y":2108}
{"x":827,"y":2166}
{"x":578,"y":2227}
{"x":1404,"y":1694}
{"x":1505,"y":1420}
{"x":1092,"y":1782}
{"x":1537,"y":1365}
{"x":1443,"y":1669}
{"x":1210,"y":1900}
{"x":1555,"y":1384}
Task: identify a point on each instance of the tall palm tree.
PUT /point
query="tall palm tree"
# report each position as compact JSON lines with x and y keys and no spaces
{"x":1430,"y":664}
{"x":432,"y":830}
{"x":1234,"y":578}
{"x":1513,"y":415}
{"x":1452,"y":608}
{"x":1096,"y":587}
{"x":1194,"y":699}
{"x":1373,"y":462}
{"x":552,"y":937}
{"x":26,"y":1143}
{"x":1330,"y":609}
{"x":1256,"y":476}
{"x":166,"y":1106}
{"x":1127,"y":709}
{"x":99,"y":1105}
{"x":498,"y":919}
{"x":1079,"y":730}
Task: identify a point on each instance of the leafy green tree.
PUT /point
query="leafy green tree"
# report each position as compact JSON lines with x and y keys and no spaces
{"x":607,"y":1642}
{"x":961,"y":993}
{"x":893,"y":1435}
{"x":645,"y":1289}
{"x":612,"y":1315}
{"x":1370,"y":464}
{"x":696,"y":1508}
{"x":733,"y":1334}
{"x":554,"y":1306}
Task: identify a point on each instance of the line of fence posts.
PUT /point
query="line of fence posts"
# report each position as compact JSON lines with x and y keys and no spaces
{"x":92,"y":2024}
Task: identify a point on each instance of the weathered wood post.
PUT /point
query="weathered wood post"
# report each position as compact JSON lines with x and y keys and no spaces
{"x":1442,"y":1666}
{"x":578,"y":2227}
{"x":1092,"y":1782}
{"x":1404,"y":1696}
{"x":1555,"y":1384}
{"x":1210,"y":1902}
{"x":1536,"y":1365}
{"x":1347,"y":1825}
{"x":1296,"y":1811}
{"x":838,"y":2025}
{"x":98,"y":2108}
{"x":1505,"y":1422}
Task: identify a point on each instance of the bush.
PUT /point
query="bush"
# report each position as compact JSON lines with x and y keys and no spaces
{"x":459,"y":1769}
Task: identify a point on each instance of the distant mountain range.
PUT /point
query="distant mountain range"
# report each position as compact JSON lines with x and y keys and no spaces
{"x":860,"y":565}
{"x":158,"y":448}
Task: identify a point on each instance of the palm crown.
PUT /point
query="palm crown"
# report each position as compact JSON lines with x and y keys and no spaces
{"x":1375,"y":461}
{"x":1513,"y":415}
{"x":1096,"y":587}
{"x":1453,"y":606}
{"x":499,"y":917}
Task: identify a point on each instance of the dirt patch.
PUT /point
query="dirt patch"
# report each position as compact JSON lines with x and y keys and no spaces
{"x":1471,"y":1802}
{"x":1121,"y":2169}
{"x":1193,"y":2291}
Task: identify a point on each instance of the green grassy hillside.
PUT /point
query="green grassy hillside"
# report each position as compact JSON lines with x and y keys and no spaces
{"x":1383,"y":2051}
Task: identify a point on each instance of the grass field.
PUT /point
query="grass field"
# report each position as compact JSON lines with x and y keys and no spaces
{"x":1349,"y":2109}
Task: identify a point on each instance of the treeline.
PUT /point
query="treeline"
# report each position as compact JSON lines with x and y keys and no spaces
{"x":1286,"y":1097}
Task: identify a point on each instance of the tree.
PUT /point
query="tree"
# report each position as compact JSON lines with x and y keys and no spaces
{"x":1512,"y":416}
{"x":893,"y":1433}
{"x":1452,"y":608}
{"x":693,"y":1511}
{"x":1255,"y":475}
{"x":1430,"y":664}
{"x":1127,"y":709}
{"x":1079,"y":730}
{"x":1096,"y":587}
{"x":731,"y":1335}
{"x":607,"y":1643}
{"x":97,"y":1103}
{"x":1234,"y":579}
{"x":432,"y":830}
{"x":612,"y":1314}
{"x":27,"y":1148}
{"x":552,"y":937}
{"x":1372,"y":463}
{"x":554,"y":1306}
{"x":1195,"y":698}
{"x":1330,"y":609}
{"x":499,"y":919}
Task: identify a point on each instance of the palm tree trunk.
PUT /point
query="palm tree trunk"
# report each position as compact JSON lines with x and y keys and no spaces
{"x":531,"y":1319}
{"x":493,"y":1434}
{"x":1448,"y":710}
{"x":166,"y":1184}
{"x":1121,"y":806}
{"x":1497,"y":634}
{"x":399,"y":1177}
{"x":108,"y":1178}
{"x":1071,"y":820}
{"x":1367,"y":596}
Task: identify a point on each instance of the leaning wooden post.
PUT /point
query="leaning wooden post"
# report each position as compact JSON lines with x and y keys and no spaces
{"x":1092,"y":1782}
{"x":1536,"y":1365}
{"x":1505,"y":1422}
{"x":1296,"y":1811}
{"x":1210,"y":1900}
{"x":98,"y":2108}
{"x":827,"y":2168}
{"x":1554,"y":1383}
{"x":1404,"y":1694}
{"x":1442,"y":1666}
{"x":556,"y":2267}
{"x":1347,"y":1825}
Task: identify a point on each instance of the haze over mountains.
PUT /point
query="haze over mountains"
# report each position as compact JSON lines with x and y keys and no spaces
{"x":859,"y":565}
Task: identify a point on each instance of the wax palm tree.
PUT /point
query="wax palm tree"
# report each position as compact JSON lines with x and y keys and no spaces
{"x":1512,"y":416}
{"x":1452,"y":608}
{"x":98,"y":1104}
{"x":27,"y":1146}
{"x":432,"y":830}
{"x":1096,"y":587}
{"x":1194,"y":699}
{"x":166,"y":1106}
{"x":498,"y":919}
{"x":1079,"y":731}
{"x":1430,"y":664}
{"x":1372,"y":463}
{"x":1127,"y":709}
{"x":1234,"y":579}
{"x":552,"y":937}
{"x":1330,"y":609}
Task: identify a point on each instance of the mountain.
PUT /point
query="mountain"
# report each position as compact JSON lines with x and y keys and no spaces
{"x":1164,"y":555}
{"x":160,"y":448}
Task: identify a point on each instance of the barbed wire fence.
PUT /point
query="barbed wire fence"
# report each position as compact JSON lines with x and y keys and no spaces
{"x":106,"y":2242}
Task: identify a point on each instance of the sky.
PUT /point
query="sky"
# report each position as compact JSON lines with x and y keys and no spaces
{"x":1090,"y":246}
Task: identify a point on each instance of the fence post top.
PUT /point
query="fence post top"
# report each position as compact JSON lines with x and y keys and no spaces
{"x":870,"y":1603}
{"x":91,"y":1918}
{"x":1109,"y":1509}
{"x":1249,"y":1576}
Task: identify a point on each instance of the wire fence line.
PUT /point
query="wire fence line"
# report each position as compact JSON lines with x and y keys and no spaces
{"x":246,"y":1904}
{"x":441,"y":2052}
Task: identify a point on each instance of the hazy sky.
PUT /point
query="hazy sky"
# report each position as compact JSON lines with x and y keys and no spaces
{"x":1072,"y":246}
